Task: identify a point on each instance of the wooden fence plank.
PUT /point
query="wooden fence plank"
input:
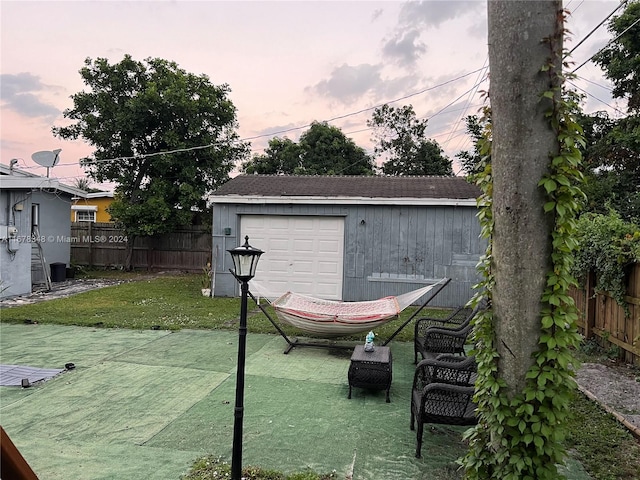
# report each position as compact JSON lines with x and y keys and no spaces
{"x":601,"y":317}
{"x":104,"y":245}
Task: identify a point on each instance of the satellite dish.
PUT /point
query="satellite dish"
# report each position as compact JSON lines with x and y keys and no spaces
{"x":47,"y":158}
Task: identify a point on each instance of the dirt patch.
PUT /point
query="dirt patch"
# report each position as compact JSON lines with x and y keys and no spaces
{"x":70,"y":287}
{"x":616,"y":387}
{"x":58,"y":290}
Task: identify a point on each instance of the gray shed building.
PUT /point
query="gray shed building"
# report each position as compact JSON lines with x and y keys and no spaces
{"x":350,"y":238}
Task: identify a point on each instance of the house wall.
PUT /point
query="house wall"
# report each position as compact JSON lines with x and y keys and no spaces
{"x":102,"y":216}
{"x":15,"y":267}
{"x":54,"y":226}
{"x":389,"y":250}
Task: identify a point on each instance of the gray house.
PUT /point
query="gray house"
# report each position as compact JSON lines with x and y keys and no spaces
{"x":35,"y":229}
{"x":350,"y":238}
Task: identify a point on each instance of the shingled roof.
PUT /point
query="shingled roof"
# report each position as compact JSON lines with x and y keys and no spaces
{"x":419,"y":187}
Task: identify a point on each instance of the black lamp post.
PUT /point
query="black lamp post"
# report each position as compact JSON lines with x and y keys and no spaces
{"x":245,"y":260}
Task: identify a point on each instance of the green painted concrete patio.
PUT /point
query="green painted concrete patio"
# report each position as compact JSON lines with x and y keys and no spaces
{"x":146,"y":404}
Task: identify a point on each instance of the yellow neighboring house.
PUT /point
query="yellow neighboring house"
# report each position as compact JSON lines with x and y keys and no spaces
{"x":93,"y":208}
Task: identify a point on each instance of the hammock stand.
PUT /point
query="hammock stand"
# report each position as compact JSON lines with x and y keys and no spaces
{"x":296,"y":343}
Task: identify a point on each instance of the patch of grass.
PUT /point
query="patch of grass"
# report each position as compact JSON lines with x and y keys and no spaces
{"x":112,"y":273}
{"x":212,"y":468}
{"x":167,"y":302}
{"x":606,"y":449}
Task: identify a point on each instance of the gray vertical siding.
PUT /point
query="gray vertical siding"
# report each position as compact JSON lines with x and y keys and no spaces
{"x":15,"y":269}
{"x":55,"y":229}
{"x":388,"y":250}
{"x":407,"y":247}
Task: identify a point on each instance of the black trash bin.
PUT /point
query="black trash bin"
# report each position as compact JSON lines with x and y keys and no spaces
{"x":58,"y":272}
{"x":70,"y":272}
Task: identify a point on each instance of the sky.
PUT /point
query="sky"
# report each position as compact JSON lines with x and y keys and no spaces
{"x":287,"y":63}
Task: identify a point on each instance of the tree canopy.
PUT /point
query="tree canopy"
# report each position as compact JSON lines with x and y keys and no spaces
{"x":400,"y":137}
{"x":612,"y":166}
{"x":611,"y":154}
{"x":620,"y":59}
{"x":282,"y":156}
{"x":477,"y":129}
{"x":326,"y":150}
{"x":83,"y":183}
{"x":322,"y":150}
{"x":165,"y":137}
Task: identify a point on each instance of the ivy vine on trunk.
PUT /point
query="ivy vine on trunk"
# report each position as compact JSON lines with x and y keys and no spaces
{"x":519,"y":436}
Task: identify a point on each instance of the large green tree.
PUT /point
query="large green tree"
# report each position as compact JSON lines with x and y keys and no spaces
{"x":282,"y":156}
{"x":612,"y":158}
{"x":401,"y":140}
{"x":620,"y":59}
{"x":612,"y":154}
{"x":328,"y":151}
{"x":165,"y":137}
{"x":322,"y":150}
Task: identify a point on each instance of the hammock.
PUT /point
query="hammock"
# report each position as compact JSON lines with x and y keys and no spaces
{"x":329,"y":318}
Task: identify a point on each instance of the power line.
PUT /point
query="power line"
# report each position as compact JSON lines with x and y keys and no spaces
{"x":246,"y":139}
{"x":598,"y":99}
{"x":346,"y":115}
{"x":575,"y":9}
{"x":608,"y":43}
{"x":352,"y":132}
{"x":604,"y":87}
{"x":452,"y":102}
{"x":339,"y":117}
{"x":479,"y":80}
{"x":622,"y":3}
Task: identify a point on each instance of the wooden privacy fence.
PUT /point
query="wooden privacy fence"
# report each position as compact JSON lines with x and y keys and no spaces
{"x":603,"y":319}
{"x":104,"y":245}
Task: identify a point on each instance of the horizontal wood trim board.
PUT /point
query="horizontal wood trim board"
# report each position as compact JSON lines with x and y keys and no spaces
{"x":616,"y":341}
{"x":633,"y":300}
{"x":627,"y":298}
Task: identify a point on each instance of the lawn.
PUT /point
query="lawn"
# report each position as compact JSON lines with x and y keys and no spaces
{"x":174,"y":302}
{"x":165,"y":302}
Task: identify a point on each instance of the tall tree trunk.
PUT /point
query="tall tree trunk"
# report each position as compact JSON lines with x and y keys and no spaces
{"x":523,"y":142}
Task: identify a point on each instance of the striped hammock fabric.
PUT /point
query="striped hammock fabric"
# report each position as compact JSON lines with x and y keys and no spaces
{"x":329,"y":318}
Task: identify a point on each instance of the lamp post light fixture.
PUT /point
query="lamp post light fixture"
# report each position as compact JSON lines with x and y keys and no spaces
{"x":245,"y":260}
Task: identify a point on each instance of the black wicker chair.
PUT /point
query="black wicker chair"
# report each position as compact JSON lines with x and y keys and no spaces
{"x":454,"y":319}
{"x":431,"y":341}
{"x":442,"y":393}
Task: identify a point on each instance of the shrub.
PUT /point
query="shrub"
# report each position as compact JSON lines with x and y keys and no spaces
{"x":607,"y":245}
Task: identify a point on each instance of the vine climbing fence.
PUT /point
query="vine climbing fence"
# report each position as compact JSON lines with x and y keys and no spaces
{"x":615,"y":327}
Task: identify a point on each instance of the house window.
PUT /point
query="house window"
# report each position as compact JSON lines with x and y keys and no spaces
{"x":84,"y":213}
{"x":85,"y":216}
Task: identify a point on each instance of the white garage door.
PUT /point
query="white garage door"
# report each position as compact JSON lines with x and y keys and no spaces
{"x":303,"y":254}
